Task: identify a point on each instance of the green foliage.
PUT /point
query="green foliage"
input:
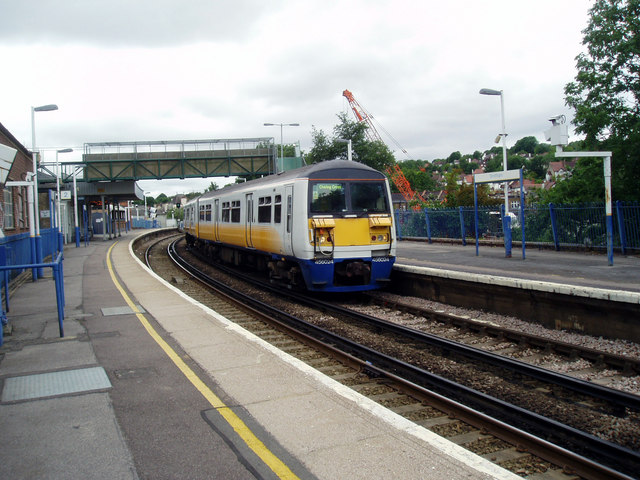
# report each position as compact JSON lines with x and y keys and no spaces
{"x":375,"y":154}
{"x":162,"y":198}
{"x":177,"y":213}
{"x":606,"y":90}
{"x":537,"y":166}
{"x":525,"y":144}
{"x":454,"y":156}
{"x":585,"y":185}
{"x":418,"y":179}
{"x":212,"y":187}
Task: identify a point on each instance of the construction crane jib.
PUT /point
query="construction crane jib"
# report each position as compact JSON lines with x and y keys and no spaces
{"x":395,"y":172}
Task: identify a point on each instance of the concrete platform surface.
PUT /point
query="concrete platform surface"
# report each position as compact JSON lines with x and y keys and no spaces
{"x":578,"y":269}
{"x":191,"y":394}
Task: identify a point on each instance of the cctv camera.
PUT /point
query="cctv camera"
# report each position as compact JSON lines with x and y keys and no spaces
{"x":558,"y":120}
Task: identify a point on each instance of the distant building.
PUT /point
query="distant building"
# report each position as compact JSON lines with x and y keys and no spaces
{"x":179,"y":201}
{"x":559,"y":170}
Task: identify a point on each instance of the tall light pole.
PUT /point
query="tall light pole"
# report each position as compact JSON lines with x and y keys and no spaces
{"x":349,"y":149}
{"x":489,"y":91}
{"x":64,"y":150}
{"x":145,"y":205}
{"x":36,"y":209}
{"x":281,"y":137}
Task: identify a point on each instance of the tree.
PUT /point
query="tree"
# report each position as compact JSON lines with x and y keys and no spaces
{"x":162,"y":198}
{"x":374,"y":154}
{"x":525,"y":144}
{"x":212,"y":187}
{"x":606,"y":90}
{"x":454,"y":156}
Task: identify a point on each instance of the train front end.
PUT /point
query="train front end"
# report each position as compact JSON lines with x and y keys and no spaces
{"x":351,"y":235}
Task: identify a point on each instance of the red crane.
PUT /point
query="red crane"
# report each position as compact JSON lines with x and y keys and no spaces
{"x":394,"y":171}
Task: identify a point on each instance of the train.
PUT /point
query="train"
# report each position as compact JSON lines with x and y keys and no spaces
{"x":325,"y":227}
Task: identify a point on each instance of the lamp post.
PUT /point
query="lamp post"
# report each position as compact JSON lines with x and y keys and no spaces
{"x":36,"y":209}
{"x":145,"y":206}
{"x":489,"y":91}
{"x":281,"y":137}
{"x":349,"y":149}
{"x":58,"y":217}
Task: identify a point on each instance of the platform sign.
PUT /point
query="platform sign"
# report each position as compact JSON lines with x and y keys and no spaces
{"x":500,"y":177}
{"x":495,"y":177}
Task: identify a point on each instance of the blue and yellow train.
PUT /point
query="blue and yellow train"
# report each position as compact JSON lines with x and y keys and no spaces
{"x":324,"y":227}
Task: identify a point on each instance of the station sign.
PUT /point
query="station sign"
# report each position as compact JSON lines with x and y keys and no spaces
{"x":491,"y":177}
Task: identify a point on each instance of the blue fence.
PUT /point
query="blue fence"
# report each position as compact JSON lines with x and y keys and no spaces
{"x":142,"y":223}
{"x":16,"y":257}
{"x":555,"y":226}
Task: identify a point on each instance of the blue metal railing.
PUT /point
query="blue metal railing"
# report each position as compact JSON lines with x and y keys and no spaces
{"x":16,"y":257}
{"x":556,"y":226}
{"x":58,"y":276}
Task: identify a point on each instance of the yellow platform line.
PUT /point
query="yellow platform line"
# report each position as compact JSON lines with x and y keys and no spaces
{"x":243,"y":431}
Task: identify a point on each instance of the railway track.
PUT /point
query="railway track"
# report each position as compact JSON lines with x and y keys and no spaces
{"x":492,"y":427}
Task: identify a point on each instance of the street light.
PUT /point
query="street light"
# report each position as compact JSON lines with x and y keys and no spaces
{"x":64,"y":150}
{"x":36,"y":209}
{"x":489,"y":91}
{"x":281,"y":140}
{"x":349,"y":150}
{"x":145,"y":205}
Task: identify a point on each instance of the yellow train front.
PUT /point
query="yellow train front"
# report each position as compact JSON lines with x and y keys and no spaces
{"x":327,"y":226}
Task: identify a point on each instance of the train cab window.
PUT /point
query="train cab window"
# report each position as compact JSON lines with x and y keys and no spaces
{"x":368,"y":197}
{"x":277,"y":209}
{"x":225,"y":212}
{"x":264,"y":210}
{"x":235,"y":211}
{"x":328,"y":197}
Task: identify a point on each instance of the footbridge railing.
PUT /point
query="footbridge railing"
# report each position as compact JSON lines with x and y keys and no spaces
{"x":155,"y":160}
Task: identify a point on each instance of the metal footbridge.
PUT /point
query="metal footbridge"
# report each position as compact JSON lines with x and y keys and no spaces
{"x":156,"y":160}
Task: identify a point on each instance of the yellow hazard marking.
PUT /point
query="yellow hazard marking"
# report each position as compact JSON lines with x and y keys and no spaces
{"x":243,"y":431}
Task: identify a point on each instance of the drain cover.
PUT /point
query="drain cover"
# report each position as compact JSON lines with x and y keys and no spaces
{"x":55,"y":383}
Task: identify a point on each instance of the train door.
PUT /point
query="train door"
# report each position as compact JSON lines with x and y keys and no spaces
{"x":249,"y":203}
{"x":288,"y":229}
{"x":216,"y":218}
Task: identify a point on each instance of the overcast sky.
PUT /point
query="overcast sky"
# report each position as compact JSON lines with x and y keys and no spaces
{"x":138,"y":70}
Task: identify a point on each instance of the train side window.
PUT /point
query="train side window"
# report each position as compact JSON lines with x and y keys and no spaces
{"x":235,"y":211}
{"x":225,"y":211}
{"x":277,"y":209}
{"x":264,"y":210}
{"x":208,"y":213}
{"x":202,"y":213}
{"x":289,"y":213}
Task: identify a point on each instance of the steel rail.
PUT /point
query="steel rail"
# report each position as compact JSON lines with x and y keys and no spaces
{"x":618,"y":399}
{"x":605,"y":456}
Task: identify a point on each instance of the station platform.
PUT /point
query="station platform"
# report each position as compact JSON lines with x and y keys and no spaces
{"x":587,"y":271}
{"x":147,"y":383}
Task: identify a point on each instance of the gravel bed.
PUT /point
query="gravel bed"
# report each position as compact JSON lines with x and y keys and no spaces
{"x":554,"y":362}
{"x":619,"y":347}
